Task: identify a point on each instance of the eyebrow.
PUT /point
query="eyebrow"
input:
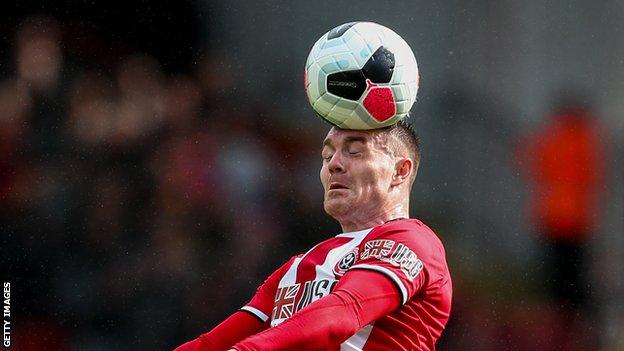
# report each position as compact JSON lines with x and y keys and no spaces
{"x":347,"y":140}
{"x":353,"y":139}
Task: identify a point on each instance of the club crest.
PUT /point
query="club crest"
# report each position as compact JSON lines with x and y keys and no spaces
{"x":348,"y":260}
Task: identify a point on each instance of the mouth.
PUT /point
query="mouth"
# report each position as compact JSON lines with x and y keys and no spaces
{"x":337,"y":186}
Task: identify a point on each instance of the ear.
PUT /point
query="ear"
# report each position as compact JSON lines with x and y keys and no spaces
{"x":403,"y":168}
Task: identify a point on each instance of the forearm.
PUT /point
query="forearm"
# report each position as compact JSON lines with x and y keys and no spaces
{"x":318,"y":327}
{"x":232,"y":330}
{"x":359,"y":298}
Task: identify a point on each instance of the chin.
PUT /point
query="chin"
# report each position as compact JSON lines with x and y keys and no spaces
{"x":336,"y":207}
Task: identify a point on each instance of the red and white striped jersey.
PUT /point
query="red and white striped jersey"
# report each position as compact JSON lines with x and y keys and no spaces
{"x":405,"y":250}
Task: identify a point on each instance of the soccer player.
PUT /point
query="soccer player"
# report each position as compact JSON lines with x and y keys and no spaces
{"x":382,"y":284}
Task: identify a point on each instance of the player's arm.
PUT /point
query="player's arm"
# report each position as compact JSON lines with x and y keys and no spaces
{"x":235,"y":328}
{"x":360,"y":297}
{"x":249,"y":320}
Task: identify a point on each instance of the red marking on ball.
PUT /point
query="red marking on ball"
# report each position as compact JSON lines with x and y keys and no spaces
{"x":379,"y":102}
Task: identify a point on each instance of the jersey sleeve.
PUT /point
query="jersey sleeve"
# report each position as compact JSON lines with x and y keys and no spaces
{"x":400,"y":253}
{"x":262,"y":302}
{"x":359,"y":298}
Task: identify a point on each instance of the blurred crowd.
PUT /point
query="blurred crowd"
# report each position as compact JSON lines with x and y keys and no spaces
{"x":140,"y":207}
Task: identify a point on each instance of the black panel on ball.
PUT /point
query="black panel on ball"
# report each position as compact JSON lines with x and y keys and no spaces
{"x":339,"y":31}
{"x":348,"y":84}
{"x":380,"y":66}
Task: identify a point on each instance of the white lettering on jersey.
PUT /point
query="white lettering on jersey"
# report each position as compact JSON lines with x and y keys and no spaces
{"x":407,"y":260}
{"x":397,"y":255}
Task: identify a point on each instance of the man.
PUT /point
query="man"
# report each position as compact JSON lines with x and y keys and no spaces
{"x":564,"y":162}
{"x":383,"y":284}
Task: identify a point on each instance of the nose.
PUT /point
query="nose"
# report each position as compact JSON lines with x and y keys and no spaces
{"x":335,"y":164}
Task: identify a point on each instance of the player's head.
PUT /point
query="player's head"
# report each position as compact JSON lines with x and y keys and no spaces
{"x":367,"y":171}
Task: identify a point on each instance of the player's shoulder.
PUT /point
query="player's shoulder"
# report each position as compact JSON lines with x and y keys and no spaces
{"x":406,"y":226}
{"x":410,"y":230}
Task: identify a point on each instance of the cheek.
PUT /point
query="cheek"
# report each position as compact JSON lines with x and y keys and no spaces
{"x":367,"y":182}
{"x":324,"y":175}
{"x":378,"y":179}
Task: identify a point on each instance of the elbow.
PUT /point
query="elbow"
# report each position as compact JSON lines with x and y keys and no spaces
{"x":342,"y":325}
{"x":340,"y":329}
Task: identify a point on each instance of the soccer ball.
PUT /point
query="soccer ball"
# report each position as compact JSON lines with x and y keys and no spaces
{"x":361,"y":75}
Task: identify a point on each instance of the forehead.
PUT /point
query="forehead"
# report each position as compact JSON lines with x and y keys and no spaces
{"x":337,"y":136}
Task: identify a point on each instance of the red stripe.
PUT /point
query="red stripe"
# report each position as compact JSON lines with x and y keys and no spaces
{"x":307,"y":267}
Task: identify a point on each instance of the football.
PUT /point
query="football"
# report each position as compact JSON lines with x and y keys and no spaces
{"x":361,"y":75}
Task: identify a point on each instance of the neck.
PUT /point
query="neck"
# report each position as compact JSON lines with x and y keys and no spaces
{"x":359,"y":220}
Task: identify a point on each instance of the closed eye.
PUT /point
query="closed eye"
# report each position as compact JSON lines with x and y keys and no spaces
{"x":355,"y":153}
{"x":327,"y":153}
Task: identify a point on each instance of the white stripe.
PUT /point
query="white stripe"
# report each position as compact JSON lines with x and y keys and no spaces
{"x":289,"y":279}
{"x":359,"y":234}
{"x":256,"y":312}
{"x":325,"y":270}
{"x":290,"y":276}
{"x":390,"y":275}
{"x":357,"y":341}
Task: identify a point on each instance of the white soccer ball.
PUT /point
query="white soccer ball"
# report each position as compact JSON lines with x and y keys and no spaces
{"x":361,"y":75}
